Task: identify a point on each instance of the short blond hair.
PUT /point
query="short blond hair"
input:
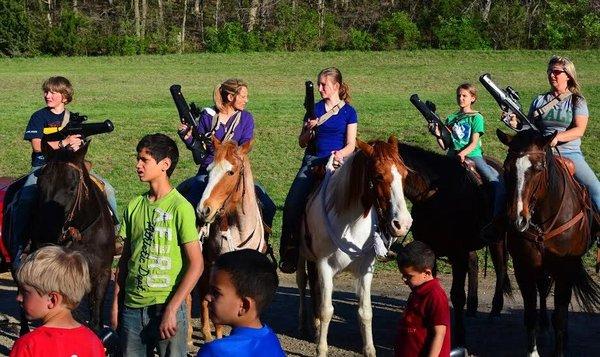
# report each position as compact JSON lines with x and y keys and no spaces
{"x":54,"y":268}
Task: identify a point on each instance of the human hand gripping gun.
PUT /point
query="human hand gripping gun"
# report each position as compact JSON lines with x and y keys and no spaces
{"x":427,"y":109}
{"x":189,"y":115}
{"x":508,"y":100}
{"x":76,"y":126}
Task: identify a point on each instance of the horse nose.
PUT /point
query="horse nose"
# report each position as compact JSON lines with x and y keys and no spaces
{"x":401,"y":226}
{"x":206,"y":212}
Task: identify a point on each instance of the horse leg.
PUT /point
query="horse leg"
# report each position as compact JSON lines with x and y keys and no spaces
{"x":204,"y":316}
{"x":458,"y":297}
{"x":544,"y":283}
{"x":313,"y":281}
{"x":24,"y":325}
{"x":325,"y":311}
{"x":562,"y":297}
{"x":365,"y":311}
{"x":525,"y":275}
{"x":96,"y":297}
{"x":473,"y":273}
{"x":219,"y":331}
{"x":499,"y":258}
{"x":301,"y":281}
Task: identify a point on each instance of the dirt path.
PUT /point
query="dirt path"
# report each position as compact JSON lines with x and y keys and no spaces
{"x":485,"y":337}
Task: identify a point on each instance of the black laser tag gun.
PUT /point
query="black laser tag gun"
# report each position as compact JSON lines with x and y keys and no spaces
{"x":427,"y":110}
{"x":76,"y":126}
{"x":188,"y":115}
{"x":309,"y":100}
{"x":508,"y":100}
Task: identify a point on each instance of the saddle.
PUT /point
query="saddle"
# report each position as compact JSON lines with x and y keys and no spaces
{"x":469,"y":165}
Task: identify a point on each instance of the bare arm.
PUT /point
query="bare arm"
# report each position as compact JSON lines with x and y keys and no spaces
{"x":73,"y":141}
{"x":195,"y":266}
{"x":467,"y":149}
{"x":576,"y":131}
{"x":307,"y":133}
{"x":435,"y":129}
{"x":439,"y":332}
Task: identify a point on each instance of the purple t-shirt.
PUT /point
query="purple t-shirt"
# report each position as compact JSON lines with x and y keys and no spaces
{"x":243,"y":133}
{"x":331,"y":135}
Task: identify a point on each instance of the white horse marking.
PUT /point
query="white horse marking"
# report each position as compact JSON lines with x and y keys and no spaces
{"x":216,"y":170}
{"x":522,"y":164}
{"x":399,"y":211}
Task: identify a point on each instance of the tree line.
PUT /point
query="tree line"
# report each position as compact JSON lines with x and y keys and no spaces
{"x":118,"y":27}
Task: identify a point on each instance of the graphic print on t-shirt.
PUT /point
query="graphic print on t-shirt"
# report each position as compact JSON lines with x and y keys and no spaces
{"x":155,"y":256}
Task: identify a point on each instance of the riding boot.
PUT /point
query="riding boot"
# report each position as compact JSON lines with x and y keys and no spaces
{"x":288,"y":252}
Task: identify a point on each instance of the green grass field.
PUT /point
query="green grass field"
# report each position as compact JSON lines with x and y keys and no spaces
{"x":133,"y":93}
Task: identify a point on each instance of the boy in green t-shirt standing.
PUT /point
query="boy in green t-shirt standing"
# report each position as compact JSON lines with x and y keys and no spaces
{"x":161,"y":260}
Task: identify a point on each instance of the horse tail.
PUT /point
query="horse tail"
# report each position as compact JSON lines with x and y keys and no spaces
{"x":587,"y":291}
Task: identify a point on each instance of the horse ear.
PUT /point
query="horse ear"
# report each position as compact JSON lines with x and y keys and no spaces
{"x":366,"y":148}
{"x":504,"y":138}
{"x":246,"y":147}
{"x":216,"y":142}
{"x":392,"y":140}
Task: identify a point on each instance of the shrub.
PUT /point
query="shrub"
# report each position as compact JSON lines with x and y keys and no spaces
{"x":359,"y":40}
{"x":397,"y":32}
{"x":14,"y":28}
{"x":460,"y":34}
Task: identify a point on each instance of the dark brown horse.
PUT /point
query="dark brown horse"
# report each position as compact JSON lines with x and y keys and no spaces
{"x":449,"y":208}
{"x":72,"y":211}
{"x":550,"y":220}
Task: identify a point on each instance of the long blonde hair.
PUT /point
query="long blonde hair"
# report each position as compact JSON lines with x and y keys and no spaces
{"x":231,"y":86}
{"x":569,"y":68}
{"x":336,"y":76}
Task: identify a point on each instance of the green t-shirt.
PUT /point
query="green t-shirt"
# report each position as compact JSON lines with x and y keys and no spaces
{"x":155,"y":232}
{"x":462,"y":127}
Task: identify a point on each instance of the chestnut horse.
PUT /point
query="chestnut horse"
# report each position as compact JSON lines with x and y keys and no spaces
{"x":341,"y":230}
{"x":449,"y":208}
{"x":73,"y":212}
{"x":229,"y":204}
{"x":550,"y":217}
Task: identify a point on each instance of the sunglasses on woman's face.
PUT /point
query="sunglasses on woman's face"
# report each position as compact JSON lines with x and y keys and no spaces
{"x":555,"y":72}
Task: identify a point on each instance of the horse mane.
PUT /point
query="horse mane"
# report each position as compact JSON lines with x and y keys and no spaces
{"x":352,"y":185}
{"x":435,"y":169}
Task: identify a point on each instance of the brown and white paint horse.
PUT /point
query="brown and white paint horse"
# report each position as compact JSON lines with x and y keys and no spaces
{"x":230,"y":206}
{"x":342,"y":219}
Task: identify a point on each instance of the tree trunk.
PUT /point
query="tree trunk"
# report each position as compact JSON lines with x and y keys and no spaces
{"x":321,"y":11}
{"x":144,"y":15}
{"x":74,"y":5}
{"x":136,"y":12}
{"x":485,"y":12}
{"x":161,"y":15}
{"x":217,"y":5}
{"x":254,"y":5}
{"x":199,"y":13}
{"x":49,"y":14}
{"x":182,"y":40}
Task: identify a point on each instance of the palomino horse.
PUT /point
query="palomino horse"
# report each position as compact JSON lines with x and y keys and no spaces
{"x":73,"y":212}
{"x":342,"y":217}
{"x":449,"y":209}
{"x":230,"y":206}
{"x":550,"y":217}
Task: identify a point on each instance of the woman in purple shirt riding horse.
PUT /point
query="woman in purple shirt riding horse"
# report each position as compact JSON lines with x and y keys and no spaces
{"x":227,"y":120}
{"x":333,"y":131}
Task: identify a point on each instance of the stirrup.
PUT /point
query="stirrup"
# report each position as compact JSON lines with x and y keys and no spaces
{"x":289,"y":260}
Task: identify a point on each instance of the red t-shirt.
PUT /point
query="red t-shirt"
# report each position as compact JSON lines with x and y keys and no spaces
{"x":59,"y":342}
{"x":427,"y":307}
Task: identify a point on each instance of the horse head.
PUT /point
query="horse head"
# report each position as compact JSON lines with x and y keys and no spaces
{"x":385,"y":173}
{"x":225,"y":186}
{"x":526,"y":173}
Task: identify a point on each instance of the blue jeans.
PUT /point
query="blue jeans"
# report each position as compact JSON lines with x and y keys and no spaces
{"x":193,"y":188}
{"x":138,"y":331}
{"x":21,"y":214}
{"x":586,"y":176}
{"x":493,"y":177}
{"x":295,"y":202}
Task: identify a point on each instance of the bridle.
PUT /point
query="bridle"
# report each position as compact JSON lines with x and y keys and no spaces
{"x":81,"y":194}
{"x":536,"y":233}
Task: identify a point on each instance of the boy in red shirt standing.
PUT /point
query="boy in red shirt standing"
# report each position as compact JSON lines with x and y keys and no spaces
{"x":424,"y":330}
{"x":52,"y":282}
